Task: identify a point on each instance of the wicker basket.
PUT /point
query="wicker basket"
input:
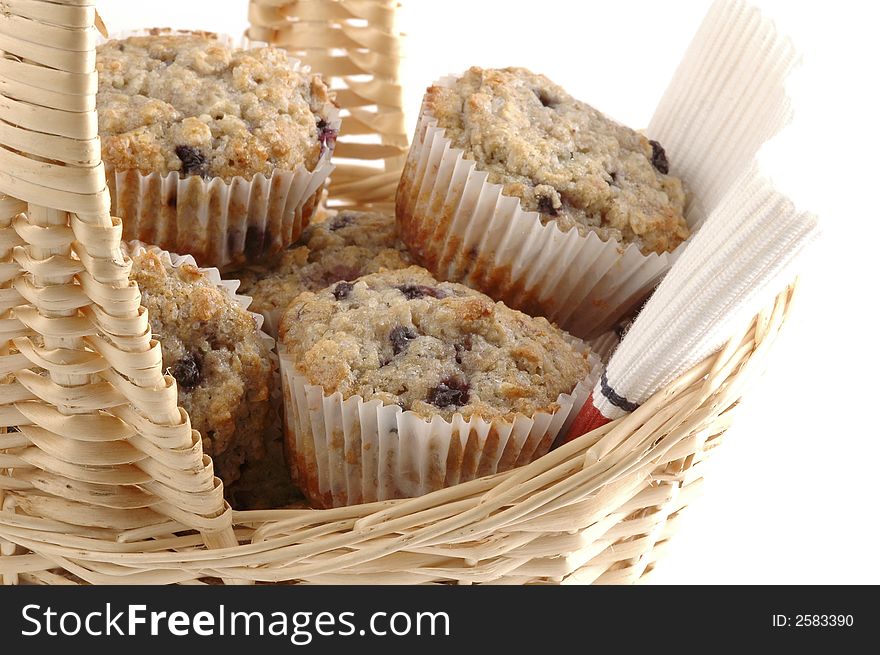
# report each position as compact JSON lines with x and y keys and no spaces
{"x":355,"y":45}
{"x":102,"y":479}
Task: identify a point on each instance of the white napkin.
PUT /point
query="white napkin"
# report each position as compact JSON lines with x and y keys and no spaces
{"x":742,"y":257}
{"x":725,"y":100}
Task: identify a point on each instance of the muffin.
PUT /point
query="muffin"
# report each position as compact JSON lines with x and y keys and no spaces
{"x":396,"y":385}
{"x":211,"y":150}
{"x":562,"y":158}
{"x":538,"y":199}
{"x":265,"y":483}
{"x":215,"y":351}
{"x":344,"y":247}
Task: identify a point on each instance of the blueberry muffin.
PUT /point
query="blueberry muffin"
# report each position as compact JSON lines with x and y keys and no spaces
{"x":433,"y":348}
{"x":344,"y":247}
{"x":210,"y":150}
{"x":189,"y":103}
{"x":562,"y":158}
{"x":214,"y":350}
{"x":396,"y":385}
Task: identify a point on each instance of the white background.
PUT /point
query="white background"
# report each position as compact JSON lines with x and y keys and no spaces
{"x":792,"y":496}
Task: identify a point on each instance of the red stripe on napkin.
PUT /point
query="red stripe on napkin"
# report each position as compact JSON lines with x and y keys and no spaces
{"x":589,"y":418}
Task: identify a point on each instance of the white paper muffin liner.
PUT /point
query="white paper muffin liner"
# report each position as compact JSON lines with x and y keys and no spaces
{"x":461,"y":228}
{"x":272,"y":318}
{"x":228,"y":287}
{"x":222,"y":224}
{"x":346,"y":452}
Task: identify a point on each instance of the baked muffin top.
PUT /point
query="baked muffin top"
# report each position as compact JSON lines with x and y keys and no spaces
{"x":188,"y":102}
{"x":435,"y":348}
{"x":344,"y":247}
{"x":214,"y":350}
{"x":563,"y":158}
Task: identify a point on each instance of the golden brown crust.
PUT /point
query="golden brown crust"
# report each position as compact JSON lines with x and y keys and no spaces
{"x":191,"y":104}
{"x":562,"y":158}
{"x":343,"y":247}
{"x":435,"y":348}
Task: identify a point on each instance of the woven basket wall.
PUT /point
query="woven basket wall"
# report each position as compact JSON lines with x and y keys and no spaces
{"x":102,"y":479}
{"x":355,"y":45}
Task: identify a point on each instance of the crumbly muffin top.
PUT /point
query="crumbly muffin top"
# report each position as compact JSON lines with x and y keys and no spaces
{"x":436,"y":348}
{"x":213,"y":349}
{"x":563,"y":158}
{"x":344,"y":247}
{"x":189,"y":103}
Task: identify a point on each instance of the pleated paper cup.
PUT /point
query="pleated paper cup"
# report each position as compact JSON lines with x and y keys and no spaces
{"x":223,"y":224}
{"x":462,"y":228}
{"x":273,"y":430}
{"x":351,"y":451}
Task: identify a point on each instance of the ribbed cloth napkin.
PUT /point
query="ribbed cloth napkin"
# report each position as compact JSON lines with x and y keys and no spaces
{"x":734,"y":265}
{"x":726,"y":99}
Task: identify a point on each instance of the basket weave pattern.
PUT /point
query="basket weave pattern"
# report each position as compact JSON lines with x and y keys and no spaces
{"x":102,"y":479}
{"x":99,"y":438}
{"x":355,"y":45}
